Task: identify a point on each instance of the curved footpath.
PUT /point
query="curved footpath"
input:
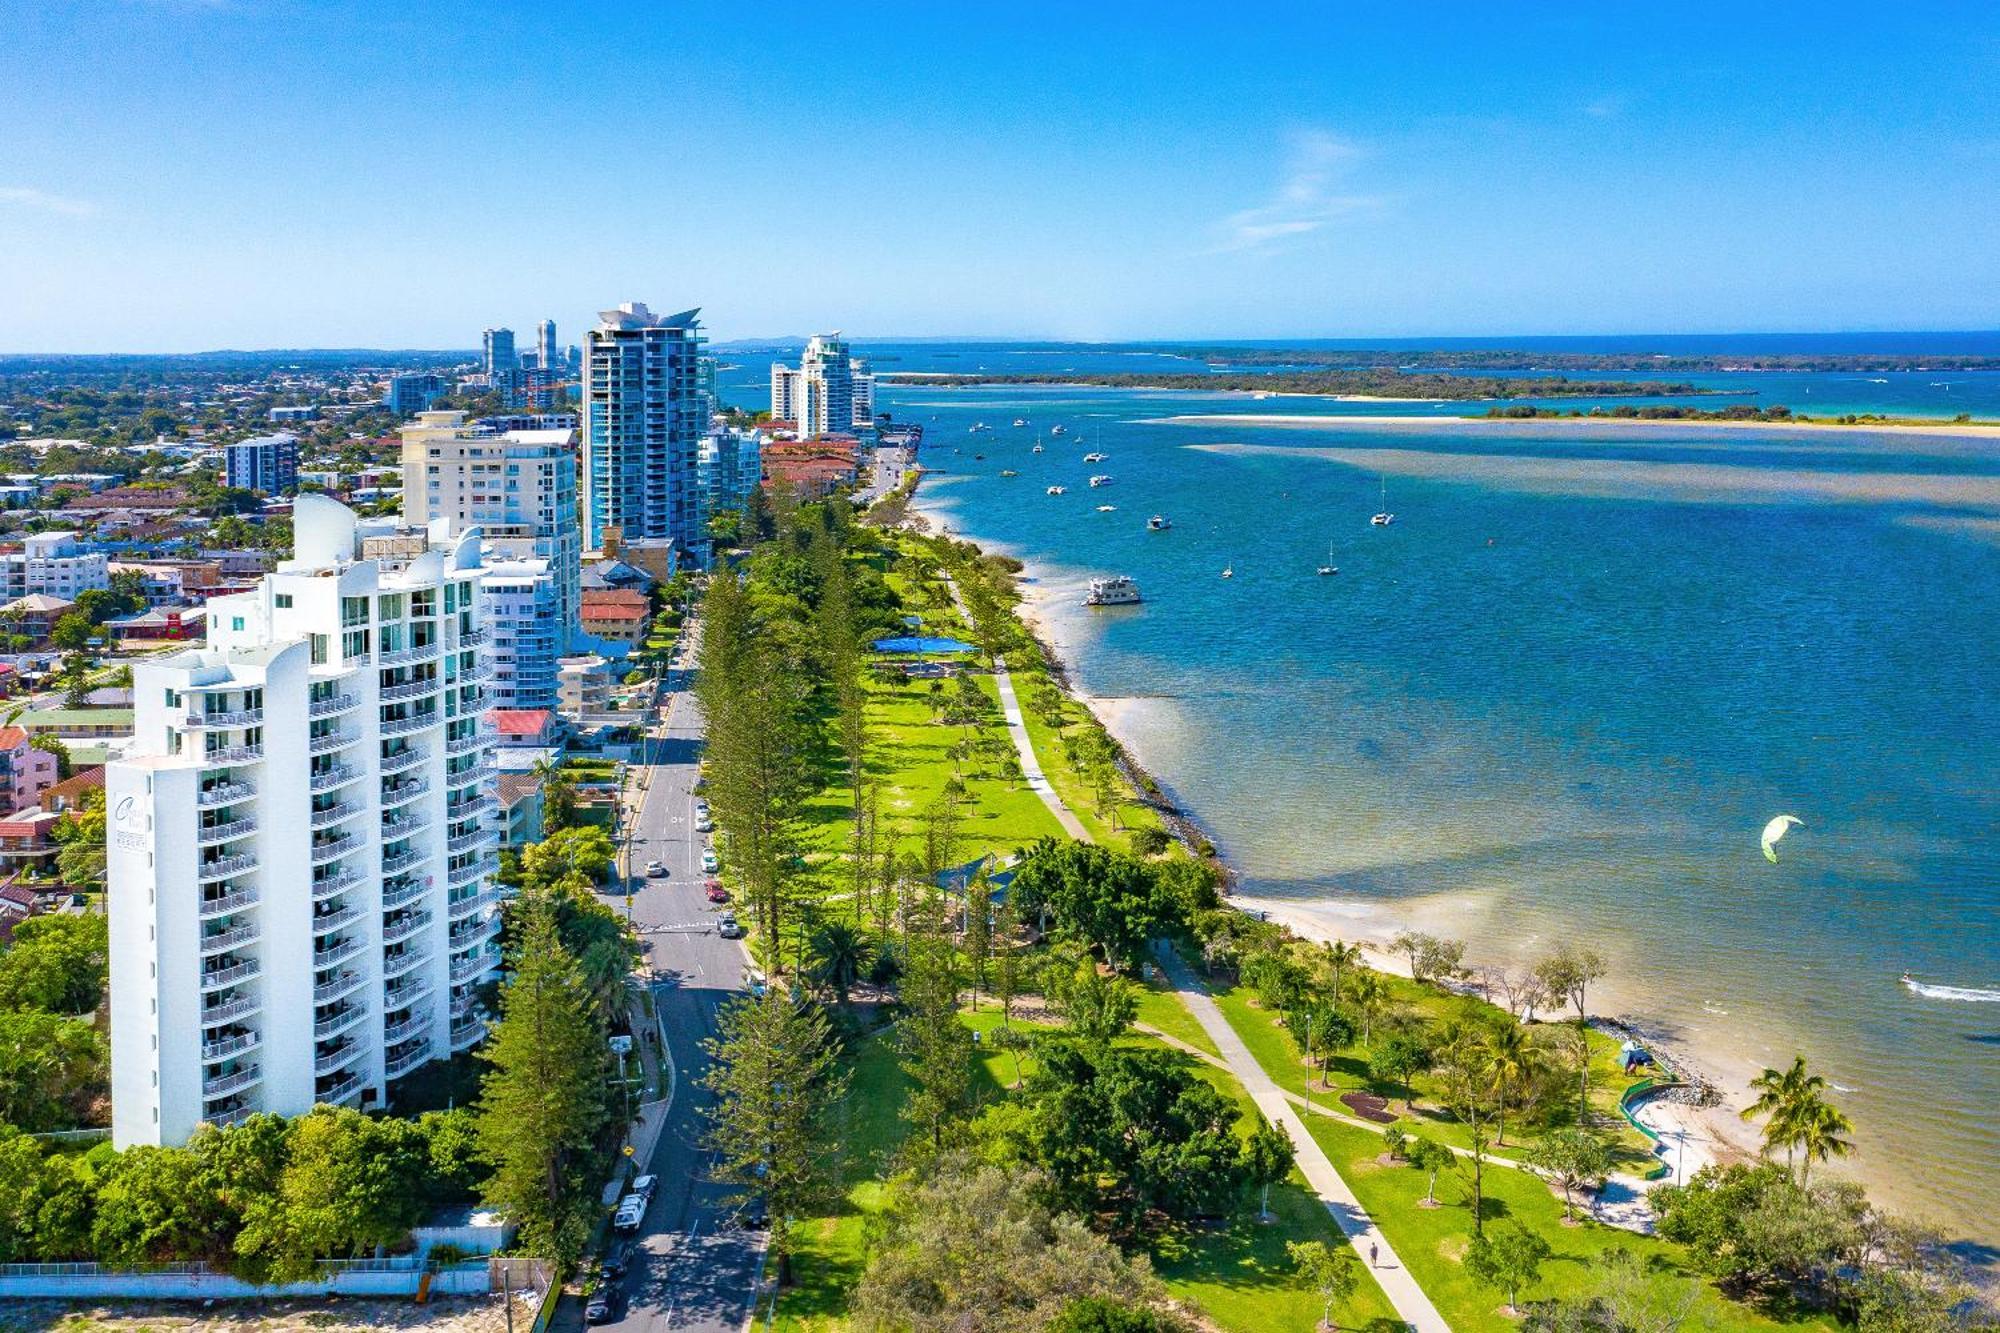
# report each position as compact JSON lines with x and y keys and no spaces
{"x":1404,"y":1294}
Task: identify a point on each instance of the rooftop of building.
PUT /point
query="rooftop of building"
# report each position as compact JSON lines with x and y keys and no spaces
{"x":519,"y":721}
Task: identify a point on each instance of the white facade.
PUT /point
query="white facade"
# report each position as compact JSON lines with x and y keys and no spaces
{"x":52,"y":563}
{"x":825,"y":394}
{"x":784,"y":392}
{"x":519,"y":490}
{"x":301,"y":850}
{"x":732,"y":465}
{"x":863,"y":394}
{"x":643,"y":418}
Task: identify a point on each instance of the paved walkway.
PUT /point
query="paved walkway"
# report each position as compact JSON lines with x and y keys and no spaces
{"x":1411,"y":1304}
{"x":1031,"y":767}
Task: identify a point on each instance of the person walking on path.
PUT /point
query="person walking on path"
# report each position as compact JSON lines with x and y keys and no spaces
{"x":1373,"y":1250}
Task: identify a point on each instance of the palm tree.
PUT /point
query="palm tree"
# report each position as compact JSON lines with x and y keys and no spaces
{"x":1368,"y":995}
{"x":1510,"y":1060}
{"x":1818,"y":1134}
{"x":841,"y":954}
{"x":1338,"y":959}
{"x":1793,"y":1102}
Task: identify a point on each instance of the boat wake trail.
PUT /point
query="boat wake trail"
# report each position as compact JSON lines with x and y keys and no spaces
{"x":1971,"y":994}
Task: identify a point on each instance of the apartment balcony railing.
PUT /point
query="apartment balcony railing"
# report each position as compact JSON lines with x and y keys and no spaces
{"x":403,"y":726}
{"x":329,"y":778}
{"x":395,"y":895}
{"x":414,"y":689}
{"x":461,"y":1005}
{"x":339,"y":953}
{"x":468,"y":937}
{"x":409,"y":1027}
{"x":478,"y":805}
{"x":333,"y":814}
{"x":235,"y":1081}
{"x":466,"y":841}
{"x":396,"y":793}
{"x":472,"y":870}
{"x":229,"y":1010}
{"x":472,"y":638}
{"x":473,"y":965}
{"x":328,"y":922}
{"x":326,"y":886}
{"x":402,"y":1062}
{"x":233,"y":754}
{"x":395,"y":965}
{"x":394,"y":932}
{"x":330,"y":741}
{"x":333,"y":1094}
{"x":222,"y":941}
{"x":235,"y":1115}
{"x":233,"y":717}
{"x":422,"y":652}
{"x":467,"y":1034}
{"x":403,"y":860}
{"x":235,"y":828}
{"x":225,"y":793}
{"x":338,"y":1058}
{"x":339,"y":1021}
{"x":464,"y":905}
{"x":478,"y":740}
{"x":393,"y":829}
{"x":474,"y":700}
{"x":403,"y":761}
{"x":329,"y":991}
{"x":325,"y":849}
{"x":403,"y":994}
{"x":337,"y":703}
{"x":234,"y":1043}
{"x":219,"y":978}
{"x":227,"y":902}
{"x":222,"y":867}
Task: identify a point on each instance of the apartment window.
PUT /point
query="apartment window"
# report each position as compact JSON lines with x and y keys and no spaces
{"x":319,"y":647}
{"x":353,"y":612}
{"x":173,"y":698}
{"x":236,"y":623}
{"x":284,"y":601}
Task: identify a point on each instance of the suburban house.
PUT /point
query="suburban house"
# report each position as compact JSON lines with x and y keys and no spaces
{"x":538,"y":728}
{"x":616,"y":614}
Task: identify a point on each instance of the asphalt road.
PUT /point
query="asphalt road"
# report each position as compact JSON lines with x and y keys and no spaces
{"x":691,"y":1269}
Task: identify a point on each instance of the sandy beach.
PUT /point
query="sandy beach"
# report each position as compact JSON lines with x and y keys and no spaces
{"x":1961,"y":430}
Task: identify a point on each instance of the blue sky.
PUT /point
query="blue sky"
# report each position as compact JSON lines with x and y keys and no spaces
{"x":181,"y":174}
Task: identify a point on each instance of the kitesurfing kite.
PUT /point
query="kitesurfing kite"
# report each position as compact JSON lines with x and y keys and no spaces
{"x":1775,"y":830}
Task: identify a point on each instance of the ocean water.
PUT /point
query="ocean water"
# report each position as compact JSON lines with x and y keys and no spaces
{"x":1561,"y":695}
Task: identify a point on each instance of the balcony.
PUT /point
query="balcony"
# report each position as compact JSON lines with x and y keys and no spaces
{"x":396,"y":895}
{"x":402,"y":1062}
{"x":222,"y":941}
{"x":325,"y":849}
{"x":478,"y":740}
{"x":239,"y":717}
{"x":233,"y":754}
{"x":404,"y":994}
{"x":329,"y":778}
{"x":340,"y":952}
{"x":409,"y":1027}
{"x":422,"y":652}
{"x":221,"y":978}
{"x":396,"y":793}
{"x":463,"y":1004}
{"x":235,"y":1081}
{"x":233,"y":1115}
{"x":329,"y":991}
{"x":467,"y":841}
{"x":338,"y":1058}
{"x":327,"y":707}
{"x":223,"y":903}
{"x":392,"y":829}
{"x":333,"y":814}
{"x":414,"y":689}
{"x":235,"y":828}
{"x":464,"y":905}
{"x":326,"y":886}
{"x":233,"y":1043}
{"x":225,"y":793}
{"x":330,"y":741}
{"x":403,"y":726}
{"x":222,"y":867}
{"x":403,"y":761}
{"x":467,"y":1034}
{"x":472,"y":638}
{"x":338,"y":1021}
{"x":235,"y":1007}
{"x":336,"y":1093}
{"x":395,"y":965}
{"x":478,"y":805}
{"x":403,"y":860}
{"x":472,"y":870}
{"x":474,"y":965}
{"x":395,"y":932}
{"x":467,"y":937}
{"x":327,"y":922}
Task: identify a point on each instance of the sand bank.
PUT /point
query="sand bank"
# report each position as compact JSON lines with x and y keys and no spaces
{"x":1963,"y":430}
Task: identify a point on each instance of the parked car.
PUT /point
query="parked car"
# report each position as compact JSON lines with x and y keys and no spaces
{"x":603,"y":1305}
{"x":717,"y":893}
{"x":710,"y":862}
{"x":616,"y":1258}
{"x":655,"y":870}
{"x":631,"y":1213}
{"x":644,"y":1187}
{"x":703,"y":824}
{"x":731,"y":928}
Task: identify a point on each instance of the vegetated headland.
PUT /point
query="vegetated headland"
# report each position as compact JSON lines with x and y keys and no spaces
{"x":1512,"y":359}
{"x":1388,"y":384}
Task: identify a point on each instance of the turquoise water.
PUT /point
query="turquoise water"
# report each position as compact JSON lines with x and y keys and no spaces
{"x":1560,"y":696}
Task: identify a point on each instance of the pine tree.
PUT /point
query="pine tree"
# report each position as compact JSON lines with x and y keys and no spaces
{"x":935,"y":1049}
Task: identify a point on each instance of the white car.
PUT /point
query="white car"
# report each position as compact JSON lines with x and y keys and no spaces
{"x":655,"y":870}
{"x":710,"y":863}
{"x":631,"y":1212}
{"x":703,"y":824}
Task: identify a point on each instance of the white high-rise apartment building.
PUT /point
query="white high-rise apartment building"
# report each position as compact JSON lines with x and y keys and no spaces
{"x":643,"y":418}
{"x":547,"y":354}
{"x":784,"y":392}
{"x":301,"y":842}
{"x":864,"y":393}
{"x":519,"y":489}
{"x":52,"y":563}
{"x":825,"y":394}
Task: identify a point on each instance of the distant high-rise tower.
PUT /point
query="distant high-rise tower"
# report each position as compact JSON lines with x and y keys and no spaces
{"x":784,"y":392}
{"x":864,"y":393}
{"x":501,"y":358}
{"x":546,"y":351}
{"x":825,"y":393}
{"x":643,"y":419}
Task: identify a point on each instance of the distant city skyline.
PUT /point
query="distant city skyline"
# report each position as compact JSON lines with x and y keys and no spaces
{"x":310,"y":175}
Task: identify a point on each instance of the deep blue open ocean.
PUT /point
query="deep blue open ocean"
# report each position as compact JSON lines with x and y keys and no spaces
{"x":1559,"y":697}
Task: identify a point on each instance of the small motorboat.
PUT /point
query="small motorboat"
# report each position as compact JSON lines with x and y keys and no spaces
{"x":1100,"y":480}
{"x":1059,"y":430}
{"x":1037,"y":449}
{"x":1008,"y":472}
{"x":1107,"y":509}
{"x":1057,"y":490}
{"x":1095,"y":458}
{"x":1158,"y":523}
{"x":1019,"y":422}
{"x":1229,"y":571}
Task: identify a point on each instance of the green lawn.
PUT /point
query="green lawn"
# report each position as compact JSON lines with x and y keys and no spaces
{"x":1161,"y":1009}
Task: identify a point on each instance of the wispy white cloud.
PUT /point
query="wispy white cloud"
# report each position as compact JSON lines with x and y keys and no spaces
{"x":1306,"y":199}
{"x":26,"y":196}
